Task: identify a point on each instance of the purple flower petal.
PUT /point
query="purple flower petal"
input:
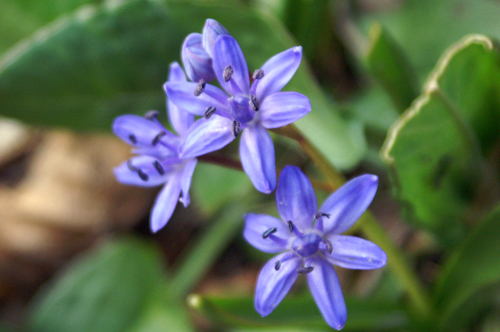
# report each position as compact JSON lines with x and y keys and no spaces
{"x":124,"y":174}
{"x":257,"y":158}
{"x":282,"y":108}
{"x":277,"y":72}
{"x":207,"y":135}
{"x":196,"y":60}
{"x":211,"y":31}
{"x":138,"y":131}
{"x":347,"y":204}
{"x":325,"y":288}
{"x":295,"y":198}
{"x":228,"y":52}
{"x":352,"y":252}
{"x":272,"y":285}
{"x":159,"y":152}
{"x":257,"y":224}
{"x":165,"y":203}
{"x":180,"y":120}
{"x":187,"y":174}
{"x":182,"y":95}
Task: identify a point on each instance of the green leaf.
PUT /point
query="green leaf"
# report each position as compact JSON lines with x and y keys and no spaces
{"x":437,"y":150}
{"x":470,"y":277}
{"x":102,"y":291}
{"x":425,"y":28}
{"x":87,"y":68}
{"x":388,"y":63}
{"x":298,"y":312}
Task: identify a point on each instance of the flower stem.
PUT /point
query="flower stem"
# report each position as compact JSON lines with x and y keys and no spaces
{"x":396,"y":261}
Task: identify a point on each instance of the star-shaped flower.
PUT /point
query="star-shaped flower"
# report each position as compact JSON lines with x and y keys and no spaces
{"x":250,"y":109}
{"x":158,"y":161}
{"x":311,"y":248}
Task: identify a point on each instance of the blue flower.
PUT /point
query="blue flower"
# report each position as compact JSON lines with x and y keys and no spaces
{"x":251,"y":109}
{"x":309,"y":248}
{"x":158,"y":161}
{"x":197,"y":51}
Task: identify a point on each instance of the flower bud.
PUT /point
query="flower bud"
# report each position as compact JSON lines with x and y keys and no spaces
{"x":197,"y":62}
{"x":211,"y":31}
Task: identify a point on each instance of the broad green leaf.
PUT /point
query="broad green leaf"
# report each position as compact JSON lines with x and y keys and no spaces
{"x":437,"y":150}
{"x":87,"y":68}
{"x":20,"y":18}
{"x":102,"y":291}
{"x":388,"y":63}
{"x":470,"y":277}
{"x":425,"y":28}
{"x":299,"y":312}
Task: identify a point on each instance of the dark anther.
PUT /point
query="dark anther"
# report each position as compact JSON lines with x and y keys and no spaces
{"x":270,"y":231}
{"x":236,"y":128}
{"x":258,"y":74}
{"x":158,"y":167}
{"x":150,"y":115}
{"x":321,"y":214}
{"x":200,"y":87}
{"x":277,"y":265}
{"x":209,"y":112}
{"x":329,"y":246}
{"x":290,"y":225}
{"x":131,"y":167}
{"x":132,"y":138}
{"x":228,"y":72}
{"x":158,"y":138}
{"x":144,"y":177}
{"x":305,"y":270}
{"x":254,"y":103}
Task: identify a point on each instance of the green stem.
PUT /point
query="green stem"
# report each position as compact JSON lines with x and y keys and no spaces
{"x":372,"y":229}
{"x":206,"y":249}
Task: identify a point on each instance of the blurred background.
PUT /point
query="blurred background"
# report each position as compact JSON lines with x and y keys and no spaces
{"x":405,"y":89}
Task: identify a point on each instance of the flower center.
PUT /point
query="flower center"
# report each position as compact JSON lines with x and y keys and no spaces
{"x":307,"y":245}
{"x":239,"y":107}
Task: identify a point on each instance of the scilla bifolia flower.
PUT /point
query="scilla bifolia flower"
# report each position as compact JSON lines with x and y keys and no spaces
{"x":244,"y":108}
{"x":310,"y":243}
{"x":158,"y":160}
{"x":197,"y":52}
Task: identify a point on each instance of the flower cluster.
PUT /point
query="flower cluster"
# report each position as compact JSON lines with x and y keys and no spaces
{"x":250,"y":106}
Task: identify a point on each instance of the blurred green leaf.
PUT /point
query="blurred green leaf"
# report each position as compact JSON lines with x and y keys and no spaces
{"x":299,"y":312}
{"x":470,"y":276}
{"x":437,"y":150}
{"x":20,"y":18}
{"x":388,"y":63}
{"x":102,"y":291}
{"x":425,"y":28}
{"x":87,"y":68}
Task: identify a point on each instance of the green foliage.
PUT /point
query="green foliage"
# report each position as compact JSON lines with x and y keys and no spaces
{"x":299,"y":312}
{"x":437,"y":150}
{"x":91,"y":66}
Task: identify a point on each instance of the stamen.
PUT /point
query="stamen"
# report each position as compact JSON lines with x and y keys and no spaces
{"x":321,"y":214}
{"x":228,"y":72}
{"x":236,"y":128}
{"x":144,"y":177}
{"x":158,"y":138}
{"x":200,"y":87}
{"x":150,"y":115}
{"x":277,"y":265}
{"x":305,"y":270}
{"x":131,"y":167}
{"x":290,"y":225}
{"x":209,"y":112}
{"x":258,"y":74}
{"x":158,"y":167}
{"x":132,"y":138}
{"x":329,"y":246}
{"x":270,"y":231}
{"x":254,"y":103}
